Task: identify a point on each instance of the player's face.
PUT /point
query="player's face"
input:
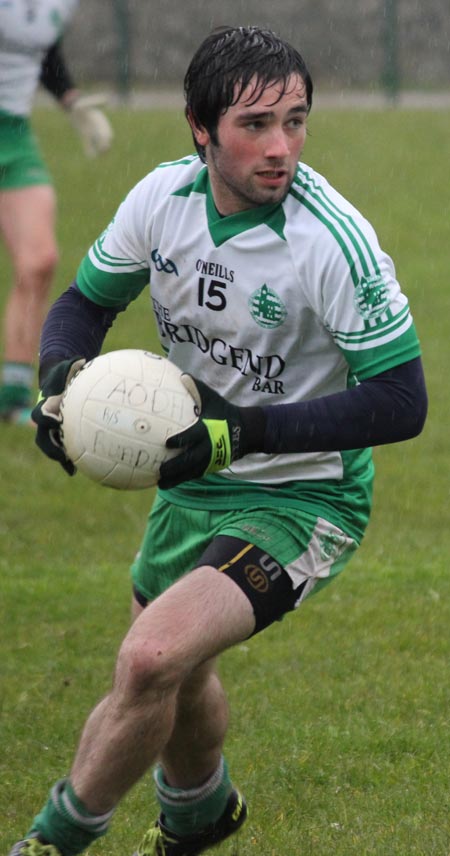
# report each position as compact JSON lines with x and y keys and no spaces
{"x":258,"y":147}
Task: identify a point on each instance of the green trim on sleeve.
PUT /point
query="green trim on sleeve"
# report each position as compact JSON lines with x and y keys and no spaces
{"x":110,"y":289}
{"x":369,"y":362}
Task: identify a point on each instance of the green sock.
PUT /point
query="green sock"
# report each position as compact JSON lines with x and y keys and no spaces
{"x":65,"y":822}
{"x":18,"y":374}
{"x":187,"y":811}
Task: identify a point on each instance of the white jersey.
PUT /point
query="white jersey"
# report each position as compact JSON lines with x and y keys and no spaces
{"x":277,"y":304}
{"x":28,"y":28}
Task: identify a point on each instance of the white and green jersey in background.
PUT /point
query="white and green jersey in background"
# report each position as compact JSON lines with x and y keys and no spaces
{"x":277,"y":304}
{"x":28,"y":28}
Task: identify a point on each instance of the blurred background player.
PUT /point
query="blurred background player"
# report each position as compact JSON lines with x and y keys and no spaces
{"x":30,"y":54}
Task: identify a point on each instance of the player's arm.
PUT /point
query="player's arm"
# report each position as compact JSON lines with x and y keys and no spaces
{"x":91,"y":123}
{"x":73,"y":332}
{"x":387,"y":408}
{"x":74,"y":325}
{"x":55,"y":77}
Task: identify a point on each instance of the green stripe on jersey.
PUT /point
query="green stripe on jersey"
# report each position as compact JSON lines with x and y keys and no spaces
{"x":180,"y":162}
{"x":374,"y":330}
{"x":369,"y":362}
{"x":114,"y":261}
{"x":341,"y":225}
{"x":110,"y":289}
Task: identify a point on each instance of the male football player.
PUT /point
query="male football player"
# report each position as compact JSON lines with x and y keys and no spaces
{"x":272,"y":293}
{"x":29,"y":53}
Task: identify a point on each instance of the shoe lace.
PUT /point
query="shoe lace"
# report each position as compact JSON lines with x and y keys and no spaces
{"x":34,"y":847}
{"x":152,"y":843}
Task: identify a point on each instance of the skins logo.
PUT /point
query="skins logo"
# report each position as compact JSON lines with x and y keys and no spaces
{"x":260,"y":576}
{"x":371,"y":297}
{"x":256,"y":578}
{"x":266,"y":308}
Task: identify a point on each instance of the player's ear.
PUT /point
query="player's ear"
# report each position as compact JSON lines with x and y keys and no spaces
{"x":200,"y":133}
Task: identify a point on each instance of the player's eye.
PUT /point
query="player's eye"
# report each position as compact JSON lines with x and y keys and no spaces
{"x":255,"y":125}
{"x":296,"y":122}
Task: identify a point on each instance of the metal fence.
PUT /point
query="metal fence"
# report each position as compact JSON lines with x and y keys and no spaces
{"x":347,"y":45}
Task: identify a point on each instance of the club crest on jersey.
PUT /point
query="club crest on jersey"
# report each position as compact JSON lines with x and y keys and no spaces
{"x":56,"y":20}
{"x":266,"y":308}
{"x":331,"y":545}
{"x":371,"y":297}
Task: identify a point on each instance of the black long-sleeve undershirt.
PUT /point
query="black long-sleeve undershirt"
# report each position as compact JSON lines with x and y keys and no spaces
{"x":55,"y":76}
{"x":386,"y":408}
{"x":74,"y":326}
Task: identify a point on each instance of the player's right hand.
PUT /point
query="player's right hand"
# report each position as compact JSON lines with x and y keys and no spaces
{"x":47,"y":413}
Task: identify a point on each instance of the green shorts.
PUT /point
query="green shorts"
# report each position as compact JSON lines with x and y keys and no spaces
{"x":277,"y":557}
{"x":21,"y":163}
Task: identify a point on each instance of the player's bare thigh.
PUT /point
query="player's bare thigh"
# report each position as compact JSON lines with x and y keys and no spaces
{"x":197,"y":679}
{"x":27,"y":221}
{"x":196,"y":619}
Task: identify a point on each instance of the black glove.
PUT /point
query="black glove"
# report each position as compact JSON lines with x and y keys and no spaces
{"x":222,"y":434}
{"x":47,"y":415}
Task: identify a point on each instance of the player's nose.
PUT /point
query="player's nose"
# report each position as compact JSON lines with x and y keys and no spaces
{"x":277,"y":144}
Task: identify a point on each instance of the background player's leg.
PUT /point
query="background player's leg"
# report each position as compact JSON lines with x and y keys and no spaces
{"x":27,"y":223}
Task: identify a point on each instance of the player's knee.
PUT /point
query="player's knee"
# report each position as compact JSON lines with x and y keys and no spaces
{"x":34,"y":272}
{"x":148,"y":666}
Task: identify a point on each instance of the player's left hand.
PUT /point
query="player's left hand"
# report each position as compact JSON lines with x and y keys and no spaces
{"x":222,"y":434}
{"x":91,"y":123}
{"x":47,"y":413}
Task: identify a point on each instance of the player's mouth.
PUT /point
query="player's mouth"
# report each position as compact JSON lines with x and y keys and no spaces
{"x":272,"y":177}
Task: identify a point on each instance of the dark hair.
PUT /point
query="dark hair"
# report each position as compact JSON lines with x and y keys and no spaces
{"x":224,"y":65}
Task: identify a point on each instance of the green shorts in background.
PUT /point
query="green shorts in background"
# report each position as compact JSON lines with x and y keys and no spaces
{"x":311,"y":549}
{"x":21,"y":163}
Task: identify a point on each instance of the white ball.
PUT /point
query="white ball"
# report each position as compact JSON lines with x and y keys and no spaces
{"x":117,"y":413}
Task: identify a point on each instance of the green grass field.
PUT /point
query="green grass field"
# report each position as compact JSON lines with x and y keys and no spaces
{"x":340,"y":714}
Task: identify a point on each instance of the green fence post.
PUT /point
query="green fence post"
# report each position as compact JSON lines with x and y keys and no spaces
{"x":123,"y":47}
{"x":391,"y":68}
